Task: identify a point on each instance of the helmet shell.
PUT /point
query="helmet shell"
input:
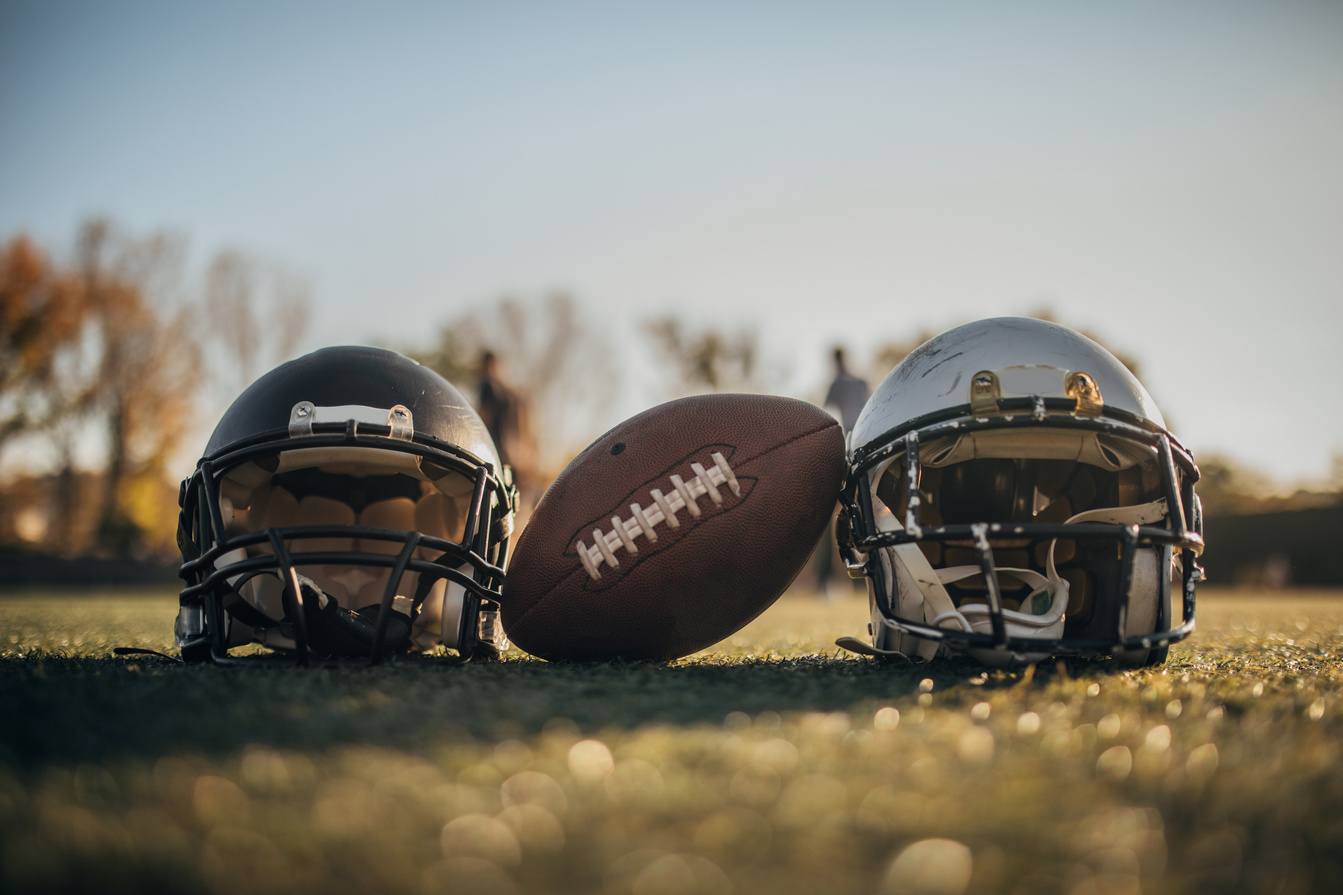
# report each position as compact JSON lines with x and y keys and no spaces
{"x":1037,"y":356}
{"x":374,"y":377}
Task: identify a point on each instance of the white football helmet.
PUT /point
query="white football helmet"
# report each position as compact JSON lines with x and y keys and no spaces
{"x":1014,"y":494}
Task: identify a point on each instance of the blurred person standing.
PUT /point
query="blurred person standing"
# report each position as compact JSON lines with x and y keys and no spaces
{"x":498,"y":408}
{"x":847,"y":394}
{"x":504,"y":412}
{"x":845,"y":399}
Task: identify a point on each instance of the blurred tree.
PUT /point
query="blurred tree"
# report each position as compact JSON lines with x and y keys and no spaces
{"x":710,"y":360}
{"x":147,"y":372}
{"x":42,"y":317}
{"x":1225,"y":487}
{"x":112,"y":343}
{"x":890,"y":353}
{"x":557,"y":367}
{"x":256,"y":312}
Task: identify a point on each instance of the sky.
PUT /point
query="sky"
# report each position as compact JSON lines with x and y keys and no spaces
{"x":1166,"y":175}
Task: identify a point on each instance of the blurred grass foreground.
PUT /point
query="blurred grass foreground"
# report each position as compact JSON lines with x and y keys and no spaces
{"x":769,"y":764}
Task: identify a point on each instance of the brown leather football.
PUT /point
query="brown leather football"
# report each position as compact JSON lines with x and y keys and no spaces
{"x":674,"y":529}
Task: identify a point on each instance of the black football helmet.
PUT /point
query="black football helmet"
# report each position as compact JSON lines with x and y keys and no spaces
{"x":350,"y":504}
{"x":1014,"y":494}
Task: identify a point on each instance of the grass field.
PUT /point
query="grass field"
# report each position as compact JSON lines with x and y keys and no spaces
{"x":770,"y":764}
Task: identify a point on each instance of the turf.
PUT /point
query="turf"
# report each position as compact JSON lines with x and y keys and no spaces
{"x":770,"y":764}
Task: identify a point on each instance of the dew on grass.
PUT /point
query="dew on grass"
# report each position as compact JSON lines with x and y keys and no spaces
{"x":775,"y":756}
{"x":753,"y":788}
{"x":481,"y":836}
{"x":735,"y":832}
{"x":676,"y":874}
{"x":590,"y":760}
{"x":217,"y":799}
{"x":1201,"y":763}
{"x":929,"y":867}
{"x":636,"y":782}
{"x":264,"y":770}
{"x":511,"y":756}
{"x":808,"y":799}
{"x":975,"y":745}
{"x":534,"y":788}
{"x":537,"y":830}
{"x":1115,"y":763}
{"x":478,"y":876}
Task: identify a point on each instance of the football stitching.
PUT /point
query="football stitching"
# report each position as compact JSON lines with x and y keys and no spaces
{"x":519,"y":623}
{"x":643,"y":522}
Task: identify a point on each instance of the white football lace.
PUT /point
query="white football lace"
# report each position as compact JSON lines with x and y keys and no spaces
{"x":643,"y":521}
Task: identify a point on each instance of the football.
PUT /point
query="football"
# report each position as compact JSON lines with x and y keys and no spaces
{"x":674,"y":529}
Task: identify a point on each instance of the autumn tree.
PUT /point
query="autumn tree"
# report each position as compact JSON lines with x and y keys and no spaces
{"x":255,"y":312}
{"x":47,"y":386}
{"x":557,"y":364}
{"x":112,"y":347}
{"x":42,"y":316}
{"x":143,"y":338}
{"x":709,"y":359}
{"x":890,"y":353}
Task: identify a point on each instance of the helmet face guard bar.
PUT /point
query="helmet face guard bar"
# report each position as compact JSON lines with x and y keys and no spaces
{"x":1182,"y":531}
{"x":202,"y":514}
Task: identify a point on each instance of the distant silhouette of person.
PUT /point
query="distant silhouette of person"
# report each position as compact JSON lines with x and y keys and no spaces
{"x":848,"y":393}
{"x":498,"y":407}
{"x":846,"y":398}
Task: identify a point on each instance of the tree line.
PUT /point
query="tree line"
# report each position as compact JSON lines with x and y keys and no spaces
{"x":113,"y":355}
{"x":105,"y":353}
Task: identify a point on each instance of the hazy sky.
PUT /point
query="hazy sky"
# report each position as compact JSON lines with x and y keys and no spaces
{"x":1166,"y":174}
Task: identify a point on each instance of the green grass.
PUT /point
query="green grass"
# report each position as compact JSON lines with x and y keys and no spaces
{"x":770,"y":764}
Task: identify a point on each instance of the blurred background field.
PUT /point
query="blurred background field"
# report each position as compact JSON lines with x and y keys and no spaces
{"x":626,"y":205}
{"x":772,"y":763}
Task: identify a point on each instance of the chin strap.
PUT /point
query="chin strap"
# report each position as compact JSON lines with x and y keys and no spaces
{"x":334,"y":632}
{"x":1041,"y":614}
{"x":862,"y":648}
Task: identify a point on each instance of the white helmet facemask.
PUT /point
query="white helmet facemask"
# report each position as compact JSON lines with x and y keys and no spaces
{"x":920,"y":591}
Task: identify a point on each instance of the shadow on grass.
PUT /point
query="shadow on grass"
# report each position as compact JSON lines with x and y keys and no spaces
{"x":63,"y":710}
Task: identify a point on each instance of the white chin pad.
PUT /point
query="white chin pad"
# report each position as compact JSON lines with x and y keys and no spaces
{"x":909,"y":603}
{"x":1142,"y":612}
{"x":440,"y":618}
{"x":1047,"y":602}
